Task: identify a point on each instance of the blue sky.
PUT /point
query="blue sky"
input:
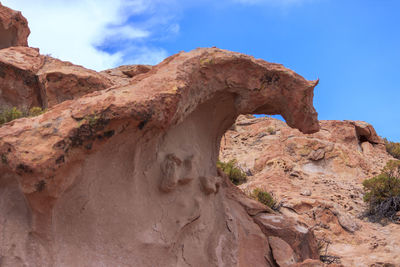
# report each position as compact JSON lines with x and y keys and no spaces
{"x":353,"y":46}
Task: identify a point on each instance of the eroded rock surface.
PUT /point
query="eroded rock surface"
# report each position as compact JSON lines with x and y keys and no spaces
{"x":19,"y":86}
{"x":61,"y":81}
{"x":123,"y":75}
{"x":14,"y":30}
{"x":28,"y":79}
{"x":318,"y":178}
{"x":125,"y":175}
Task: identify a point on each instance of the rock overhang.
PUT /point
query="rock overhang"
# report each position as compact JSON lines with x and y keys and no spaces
{"x":168,"y":93}
{"x":151,"y":136}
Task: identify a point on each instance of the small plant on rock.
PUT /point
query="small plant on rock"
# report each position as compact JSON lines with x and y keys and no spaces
{"x":235,"y":174}
{"x":264,"y":197}
{"x":392,"y":148}
{"x":14,"y":113}
{"x":271,"y":130}
{"x":382,"y":193}
{"x":10,"y":114}
{"x":36,"y":111}
{"x":92,"y":119}
{"x":4,"y":159}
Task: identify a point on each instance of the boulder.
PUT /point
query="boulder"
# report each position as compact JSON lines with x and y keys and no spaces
{"x":306,"y":192}
{"x":283,"y":254}
{"x":19,"y":85}
{"x":348,"y":222}
{"x":299,"y":237}
{"x":14,"y":30}
{"x":61,"y":81}
{"x":317,"y":154}
{"x":366,"y":132}
{"x":28,"y":79}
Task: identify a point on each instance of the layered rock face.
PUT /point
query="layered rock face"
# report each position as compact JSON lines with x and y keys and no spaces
{"x":14,"y":29}
{"x":126,"y":176}
{"x":318,"y":178}
{"x":121,"y":168}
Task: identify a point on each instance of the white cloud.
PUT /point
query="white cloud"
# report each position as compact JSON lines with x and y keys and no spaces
{"x":99,"y":34}
{"x":125,"y":32}
{"x":144,"y":55}
{"x":74,"y":29}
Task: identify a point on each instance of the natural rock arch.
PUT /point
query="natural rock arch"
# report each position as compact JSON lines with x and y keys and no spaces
{"x":127,"y":175}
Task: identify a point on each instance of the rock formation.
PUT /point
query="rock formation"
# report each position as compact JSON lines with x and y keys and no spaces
{"x":121,"y":168}
{"x":28,"y":79}
{"x":318,"y":179}
{"x":127,"y":174}
{"x":14,"y":29}
{"x":123,"y":75}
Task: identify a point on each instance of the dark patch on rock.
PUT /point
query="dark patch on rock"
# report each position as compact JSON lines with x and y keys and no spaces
{"x":24,"y":168}
{"x":40,"y":186}
{"x":60,"y":159}
{"x":109,"y":134}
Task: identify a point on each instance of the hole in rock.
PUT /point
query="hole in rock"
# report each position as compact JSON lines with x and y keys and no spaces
{"x":362,"y":139}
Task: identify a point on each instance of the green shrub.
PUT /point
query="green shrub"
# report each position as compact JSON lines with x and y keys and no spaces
{"x":92,"y":119}
{"x":36,"y":111}
{"x":271,"y":130}
{"x":392,"y":148}
{"x":263,"y":197}
{"x":385,"y":185}
{"x":236,"y":175}
{"x":14,"y":113}
{"x":382,"y":193}
{"x":10,"y":114}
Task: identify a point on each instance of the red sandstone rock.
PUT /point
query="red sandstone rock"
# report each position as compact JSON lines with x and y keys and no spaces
{"x":123,"y":75}
{"x":28,"y":79}
{"x":297,"y":236}
{"x":313,"y":263}
{"x":127,"y":175}
{"x":282,"y":252}
{"x":61,"y":81}
{"x":318,"y":179}
{"x":365,"y":132}
{"x":14,"y":29}
{"x":19,"y":85}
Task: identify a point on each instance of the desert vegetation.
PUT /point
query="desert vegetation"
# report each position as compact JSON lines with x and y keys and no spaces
{"x":382,"y":193}
{"x":238,"y":177}
{"x":264,"y":197}
{"x":14,"y":113}
{"x":271,"y":130}
{"x":392,"y":148}
{"x":235,"y":174}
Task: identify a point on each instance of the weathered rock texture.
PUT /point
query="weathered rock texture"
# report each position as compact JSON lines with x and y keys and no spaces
{"x":318,"y":178}
{"x":28,"y":79}
{"x":125,"y":175}
{"x":14,"y":29}
{"x":123,"y":75}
